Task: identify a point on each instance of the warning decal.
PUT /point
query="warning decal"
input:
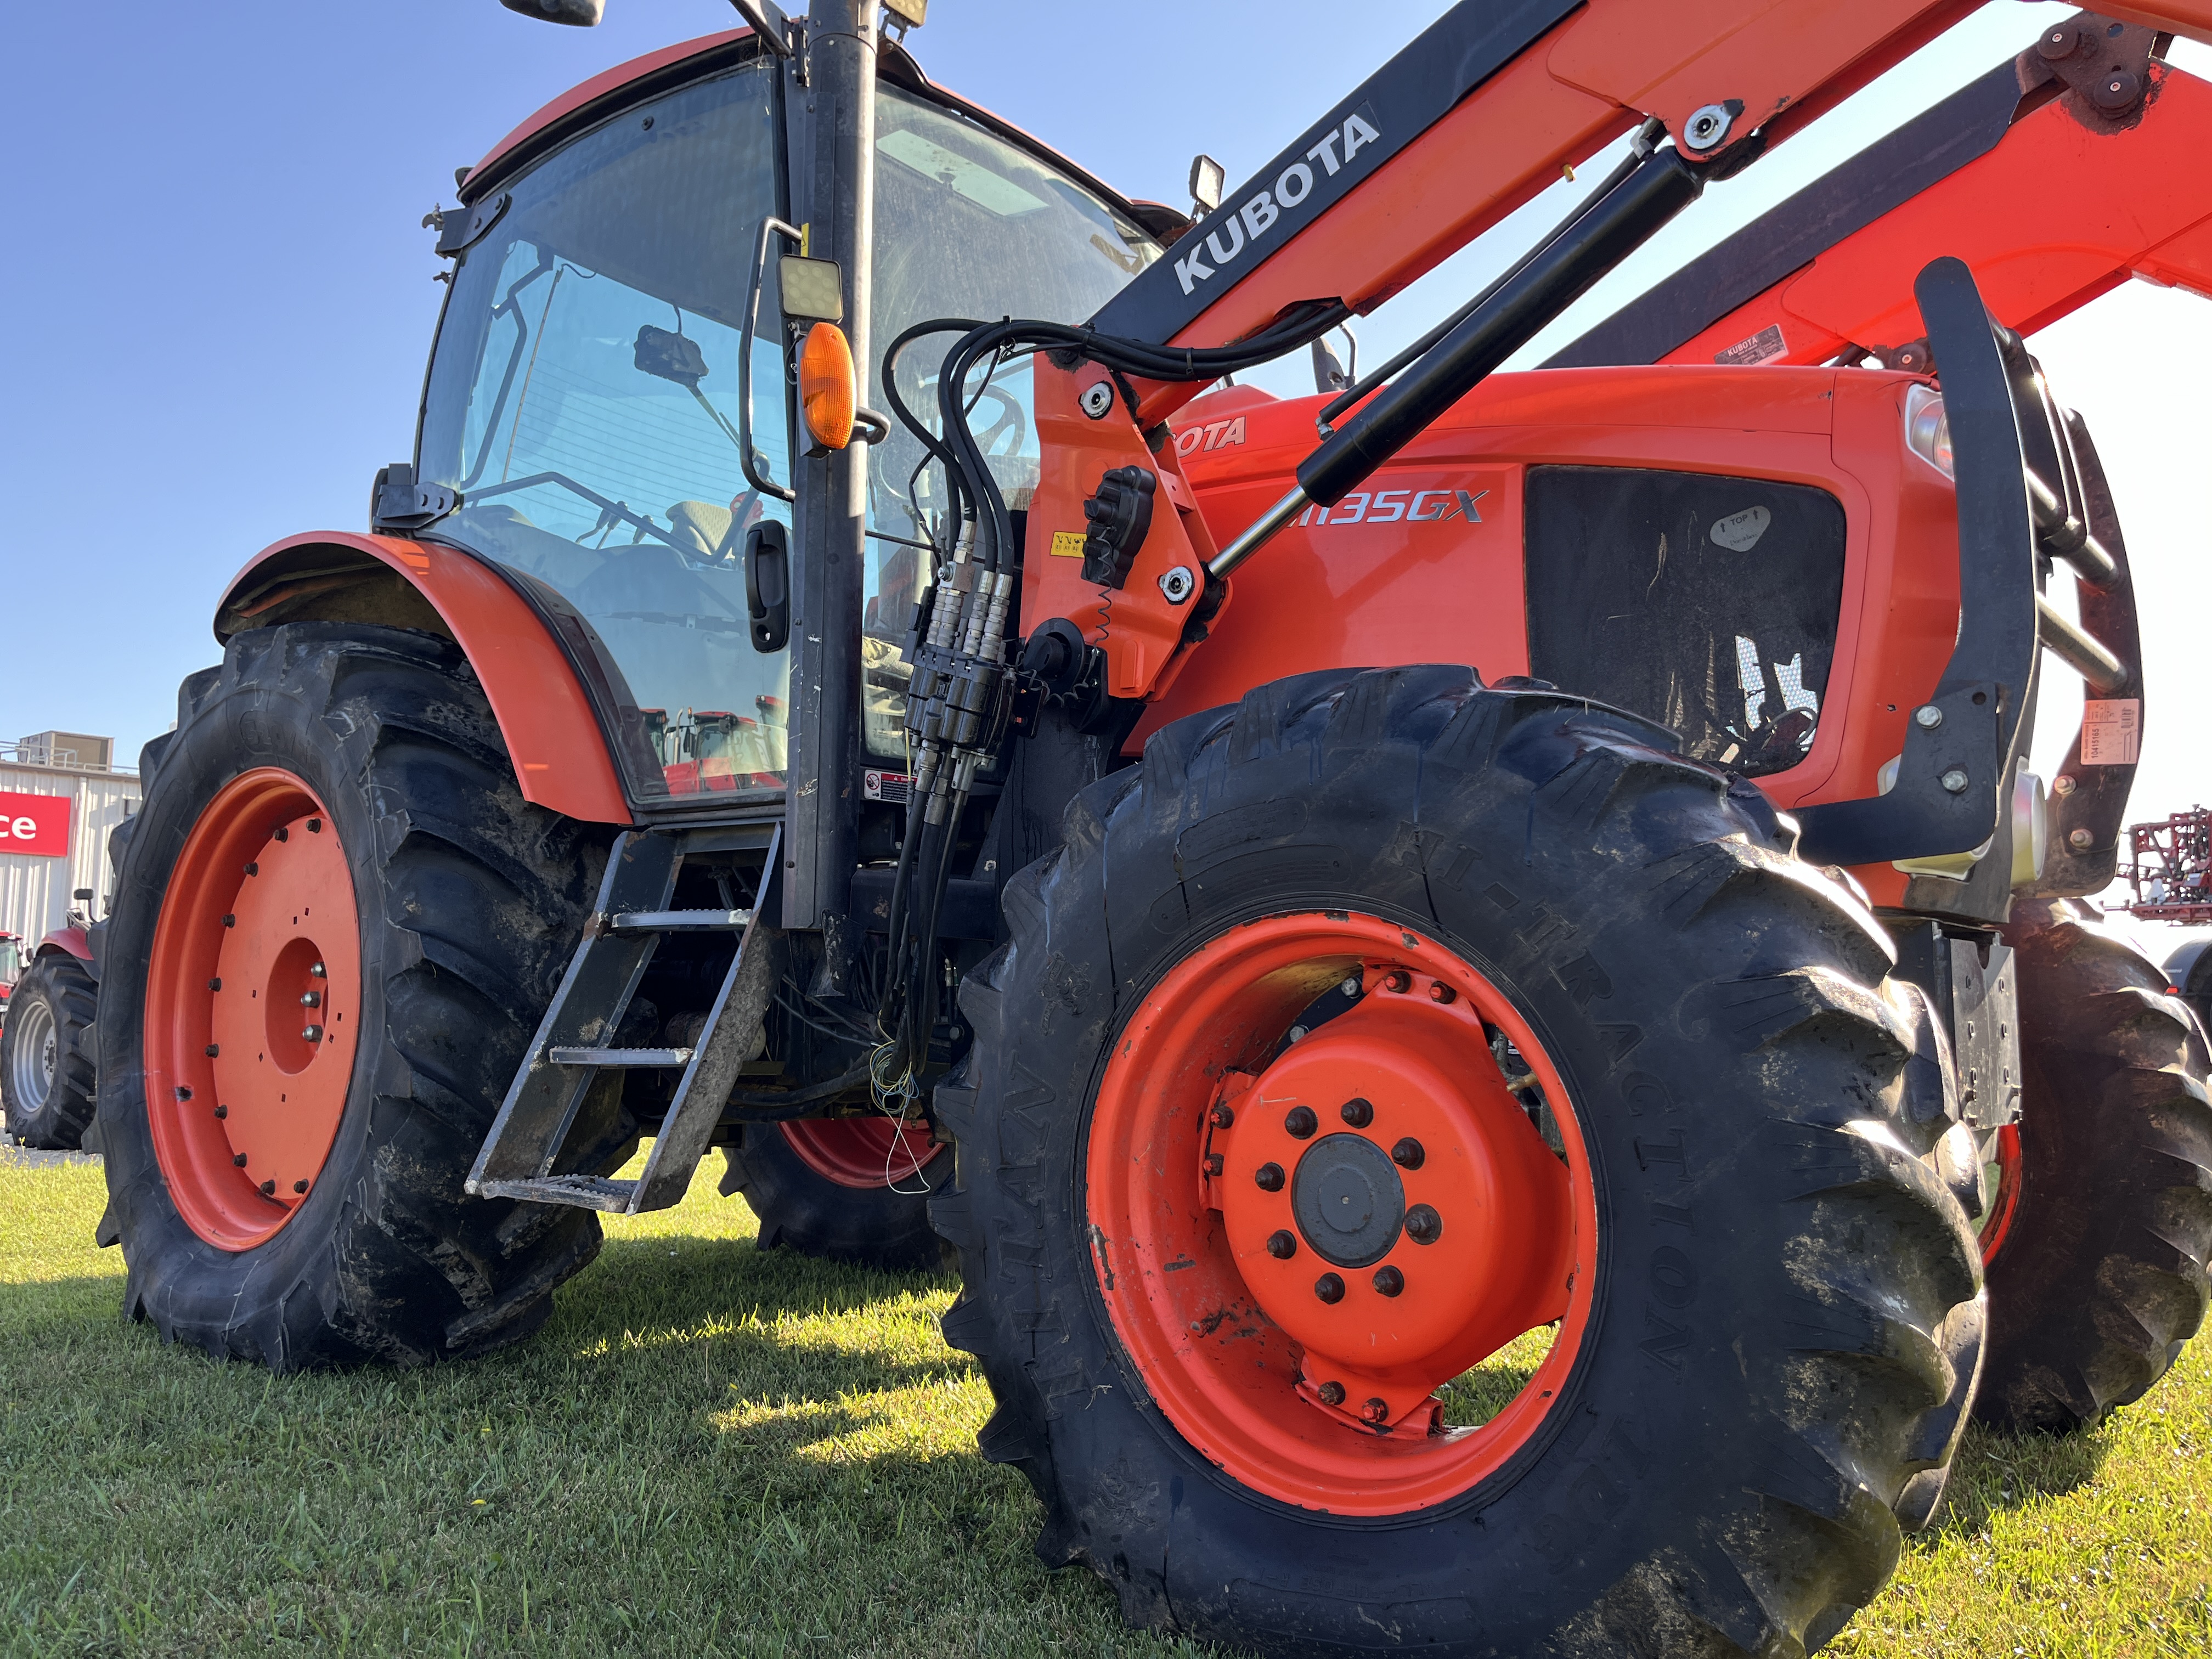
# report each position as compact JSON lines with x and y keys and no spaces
{"x":2112,"y":731}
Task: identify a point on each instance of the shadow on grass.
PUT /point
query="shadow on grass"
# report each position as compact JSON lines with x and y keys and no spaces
{"x":1996,"y":1471}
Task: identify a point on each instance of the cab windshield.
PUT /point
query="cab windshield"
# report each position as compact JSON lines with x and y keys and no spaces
{"x":583,"y":400}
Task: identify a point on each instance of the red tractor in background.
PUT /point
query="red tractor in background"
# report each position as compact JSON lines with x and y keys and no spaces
{"x":1490,"y":1162}
{"x":48,"y":1065}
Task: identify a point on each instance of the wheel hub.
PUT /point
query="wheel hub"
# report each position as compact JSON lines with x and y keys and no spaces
{"x":253,"y":1009}
{"x":1348,"y":1201}
{"x":1408,"y":1268}
{"x":37,"y":1053}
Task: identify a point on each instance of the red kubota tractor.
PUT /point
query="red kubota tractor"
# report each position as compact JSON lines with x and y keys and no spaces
{"x":46,"y":1007}
{"x":1485,"y":1161}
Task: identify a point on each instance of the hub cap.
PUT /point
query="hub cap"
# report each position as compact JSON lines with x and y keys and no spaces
{"x":253,"y":1009}
{"x":37,"y":1053}
{"x":1301,"y":1243}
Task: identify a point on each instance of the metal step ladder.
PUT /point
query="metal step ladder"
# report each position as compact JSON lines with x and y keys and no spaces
{"x":572,"y":1045}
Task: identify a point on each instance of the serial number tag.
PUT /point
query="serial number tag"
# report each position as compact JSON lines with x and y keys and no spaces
{"x":1067,"y":543}
{"x":2112,"y":731}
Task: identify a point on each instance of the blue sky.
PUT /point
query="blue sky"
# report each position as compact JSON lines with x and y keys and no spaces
{"x":221,"y":299}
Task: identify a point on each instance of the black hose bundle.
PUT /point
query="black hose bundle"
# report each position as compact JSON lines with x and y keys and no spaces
{"x":962,"y":682}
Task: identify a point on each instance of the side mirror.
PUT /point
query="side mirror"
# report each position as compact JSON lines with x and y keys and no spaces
{"x":582,"y":13}
{"x":768,"y":585}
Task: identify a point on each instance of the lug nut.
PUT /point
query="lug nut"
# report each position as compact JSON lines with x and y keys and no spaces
{"x":1375,"y":1411}
{"x":1269,"y":1177}
{"x":311,"y":999}
{"x":1332,"y":1394}
{"x":1356,"y":1112}
{"x":316,"y":972}
{"x":1221,"y":1117}
{"x":268,"y":1189}
{"x":222,"y":1111}
{"x":230,"y":921}
{"x":299,"y":1186}
{"x":213,"y":1049}
{"x":315,"y":826}
{"x":1407,"y":1154}
{"x":1329,"y":1287}
{"x":1300,"y":1122}
{"x":215,"y":985}
{"x":239,"y":1159}
{"x":1212,"y":1159}
{"x":1398,"y":980}
{"x":1282,"y":1244}
{"x":182,"y":1092}
{"x":1388,"y":1281}
{"x":282,"y":834}
{"x":1441,"y":993}
{"x":1424,"y":1225}
{"x":312,"y":1033}
{"x":253,"y":869}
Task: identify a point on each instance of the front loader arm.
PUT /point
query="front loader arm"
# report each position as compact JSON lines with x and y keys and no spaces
{"x":2051,"y":196}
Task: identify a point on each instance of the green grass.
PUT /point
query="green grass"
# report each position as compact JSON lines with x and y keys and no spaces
{"x":710,"y":1450}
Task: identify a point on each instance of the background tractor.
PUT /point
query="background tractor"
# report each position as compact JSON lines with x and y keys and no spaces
{"x":1124,"y":879}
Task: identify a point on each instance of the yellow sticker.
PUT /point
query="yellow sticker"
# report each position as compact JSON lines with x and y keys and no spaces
{"x":1067,"y":543}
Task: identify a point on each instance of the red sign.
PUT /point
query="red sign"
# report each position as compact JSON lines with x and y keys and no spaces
{"x":37,"y":824}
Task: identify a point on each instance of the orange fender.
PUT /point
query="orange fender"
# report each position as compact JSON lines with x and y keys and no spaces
{"x":561,"y":758}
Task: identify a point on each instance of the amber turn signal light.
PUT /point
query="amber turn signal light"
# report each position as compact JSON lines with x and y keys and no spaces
{"x":827,"y":389}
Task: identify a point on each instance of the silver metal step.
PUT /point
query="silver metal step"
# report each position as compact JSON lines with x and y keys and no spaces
{"x":636,"y":1058}
{"x":582,"y":1192}
{"x":680,"y":921}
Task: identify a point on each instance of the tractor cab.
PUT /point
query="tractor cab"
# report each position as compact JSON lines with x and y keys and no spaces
{"x":609,"y":404}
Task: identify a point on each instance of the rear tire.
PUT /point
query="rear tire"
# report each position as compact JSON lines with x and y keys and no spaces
{"x":46,"y":1073}
{"x":2102,"y":1226}
{"x":855,"y":1213}
{"x":469,"y":903}
{"x":1776,"y":1285}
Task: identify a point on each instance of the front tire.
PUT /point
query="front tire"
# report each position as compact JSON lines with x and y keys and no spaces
{"x":2101,"y":1227}
{"x":1766,"y":1289}
{"x":337,"y":922}
{"x":46,"y":1070}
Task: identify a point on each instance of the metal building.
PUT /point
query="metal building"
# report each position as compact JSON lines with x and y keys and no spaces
{"x":60,"y":795}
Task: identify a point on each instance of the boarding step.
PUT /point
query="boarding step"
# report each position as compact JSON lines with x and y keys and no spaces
{"x":680,"y":921}
{"x":634,"y":1059}
{"x":583,"y":1192}
{"x":569,"y":1052}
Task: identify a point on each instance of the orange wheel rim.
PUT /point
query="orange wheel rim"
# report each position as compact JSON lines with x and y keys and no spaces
{"x":863,"y":1152}
{"x":1298,"y":1244}
{"x":2004,"y":1205}
{"x":253,"y":1009}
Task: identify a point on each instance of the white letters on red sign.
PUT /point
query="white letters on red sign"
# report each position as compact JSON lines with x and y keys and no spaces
{"x":38,"y":825}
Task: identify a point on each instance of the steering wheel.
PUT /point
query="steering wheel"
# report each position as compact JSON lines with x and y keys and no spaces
{"x":1013,"y":419}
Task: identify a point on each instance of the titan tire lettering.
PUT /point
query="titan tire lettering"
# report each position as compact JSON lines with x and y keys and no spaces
{"x":1673,"y":1276}
{"x":1650,"y":1152}
{"x":1645,"y":1092}
{"x":1584,"y":979}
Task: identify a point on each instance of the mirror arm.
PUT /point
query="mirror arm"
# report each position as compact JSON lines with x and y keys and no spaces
{"x":746,"y":454}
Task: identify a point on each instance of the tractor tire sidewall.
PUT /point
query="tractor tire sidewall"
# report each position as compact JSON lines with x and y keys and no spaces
{"x":2102,"y":1275}
{"x":801,"y":1209}
{"x":1760,"y":1356}
{"x":386,"y":1257}
{"x":66,"y":989}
